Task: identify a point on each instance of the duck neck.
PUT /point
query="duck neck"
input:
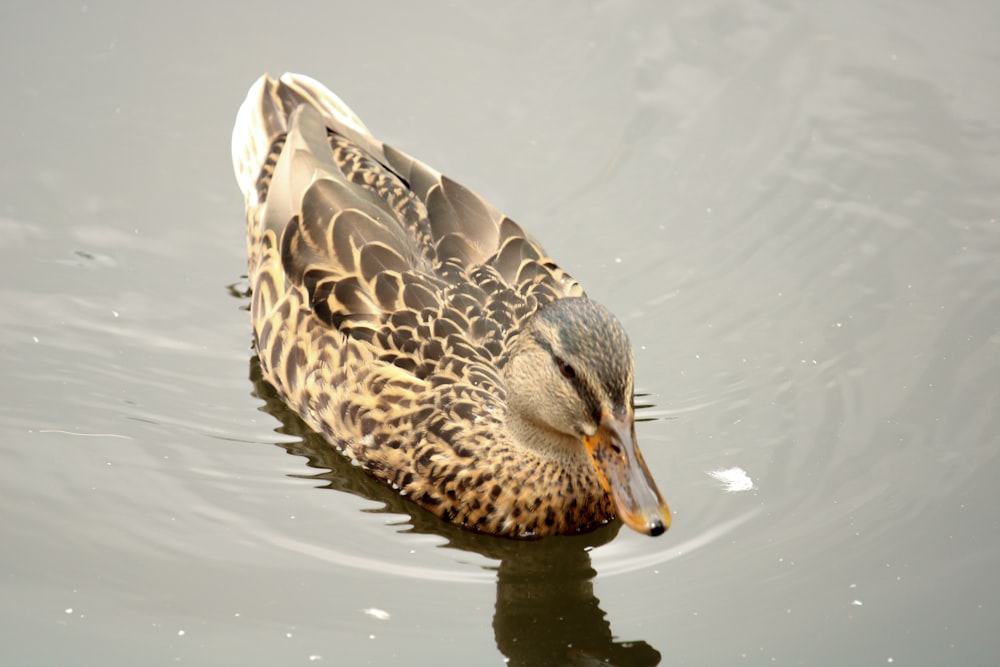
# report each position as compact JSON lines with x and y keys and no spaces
{"x":553,"y":488}
{"x":546,"y":444}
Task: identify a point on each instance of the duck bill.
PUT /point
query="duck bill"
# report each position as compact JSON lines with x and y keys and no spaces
{"x":624,"y":475}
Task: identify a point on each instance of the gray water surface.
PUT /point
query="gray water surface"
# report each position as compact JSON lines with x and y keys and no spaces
{"x":793,"y":208}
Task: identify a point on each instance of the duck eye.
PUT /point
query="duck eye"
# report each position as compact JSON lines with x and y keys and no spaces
{"x":565,"y":369}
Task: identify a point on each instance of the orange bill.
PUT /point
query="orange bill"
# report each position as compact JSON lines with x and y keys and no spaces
{"x":625,"y":476}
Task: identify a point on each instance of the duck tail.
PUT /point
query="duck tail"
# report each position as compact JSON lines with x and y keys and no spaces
{"x":263,"y":120}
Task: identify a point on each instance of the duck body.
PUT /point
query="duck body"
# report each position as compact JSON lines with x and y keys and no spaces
{"x":428,"y":337}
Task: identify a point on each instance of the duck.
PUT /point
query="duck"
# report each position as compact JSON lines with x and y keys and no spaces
{"x":427,"y":337}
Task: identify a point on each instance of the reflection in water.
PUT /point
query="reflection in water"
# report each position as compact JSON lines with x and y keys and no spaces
{"x":546,"y":612}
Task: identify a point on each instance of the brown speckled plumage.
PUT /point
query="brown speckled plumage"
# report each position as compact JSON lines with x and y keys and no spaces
{"x":424,"y":334}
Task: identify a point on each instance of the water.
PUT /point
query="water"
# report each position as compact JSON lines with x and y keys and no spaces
{"x":792,"y":207}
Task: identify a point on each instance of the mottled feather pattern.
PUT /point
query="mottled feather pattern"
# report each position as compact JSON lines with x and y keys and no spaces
{"x":385,"y":298}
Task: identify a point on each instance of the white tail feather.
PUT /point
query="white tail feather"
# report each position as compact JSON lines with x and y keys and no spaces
{"x":252,"y":137}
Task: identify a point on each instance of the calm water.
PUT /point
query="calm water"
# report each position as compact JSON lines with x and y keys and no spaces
{"x":795,"y":210}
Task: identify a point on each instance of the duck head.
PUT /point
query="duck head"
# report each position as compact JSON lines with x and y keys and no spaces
{"x":570,"y":388}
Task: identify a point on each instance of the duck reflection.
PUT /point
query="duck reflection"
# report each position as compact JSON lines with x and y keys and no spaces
{"x":546,"y":612}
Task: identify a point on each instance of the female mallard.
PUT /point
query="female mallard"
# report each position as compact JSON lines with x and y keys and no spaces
{"x":427,"y":336}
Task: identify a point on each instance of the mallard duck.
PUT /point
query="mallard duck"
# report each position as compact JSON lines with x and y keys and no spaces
{"x":429,"y":338}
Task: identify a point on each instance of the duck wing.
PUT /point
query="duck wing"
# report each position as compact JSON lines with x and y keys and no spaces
{"x":366,"y":230}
